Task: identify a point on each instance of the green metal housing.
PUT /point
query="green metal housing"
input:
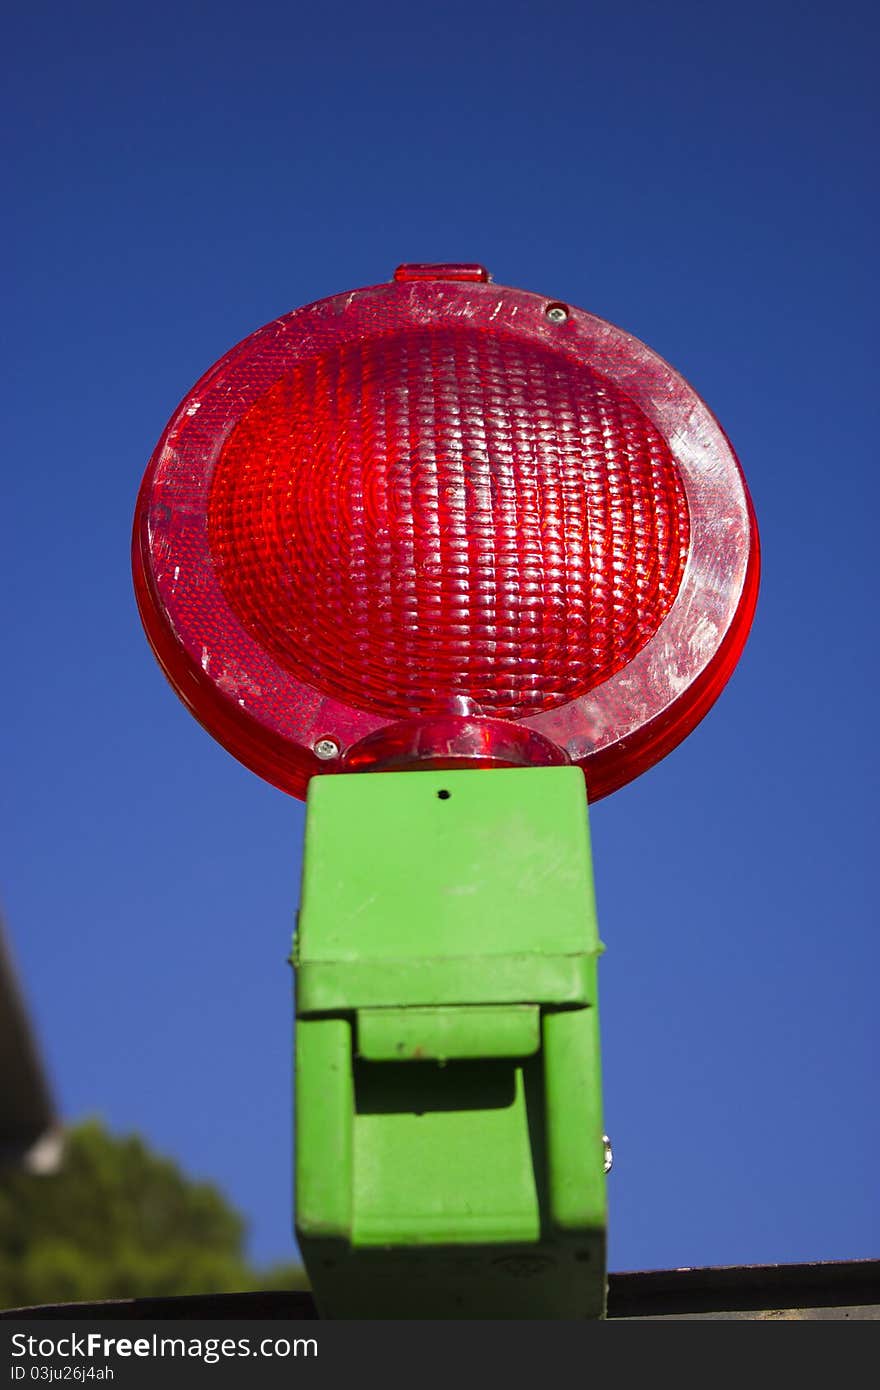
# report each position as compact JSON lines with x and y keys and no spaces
{"x":449,"y":1151}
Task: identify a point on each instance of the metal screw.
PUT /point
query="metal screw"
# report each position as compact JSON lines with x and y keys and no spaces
{"x":326,"y":748}
{"x":609,"y":1156}
{"x":556,"y":313}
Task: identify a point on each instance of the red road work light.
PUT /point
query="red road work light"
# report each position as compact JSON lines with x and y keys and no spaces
{"x":489,"y":518}
{"x":442,"y":525}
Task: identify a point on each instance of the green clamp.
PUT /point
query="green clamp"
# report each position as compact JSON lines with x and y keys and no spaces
{"x":449,"y":1151}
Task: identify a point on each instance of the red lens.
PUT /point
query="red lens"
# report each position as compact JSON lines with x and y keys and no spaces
{"x":440,"y":492}
{"x":447,"y":512}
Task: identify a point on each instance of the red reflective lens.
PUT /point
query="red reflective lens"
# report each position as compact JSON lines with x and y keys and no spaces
{"x":441,"y":491}
{"x":447,"y":512}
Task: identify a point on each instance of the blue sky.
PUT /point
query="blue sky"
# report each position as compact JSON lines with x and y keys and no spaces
{"x":178,"y":175}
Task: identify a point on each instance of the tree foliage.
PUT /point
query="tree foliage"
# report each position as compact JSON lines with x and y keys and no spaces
{"x":119,"y":1221}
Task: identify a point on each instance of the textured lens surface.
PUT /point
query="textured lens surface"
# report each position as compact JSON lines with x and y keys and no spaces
{"x":446,"y":512}
{"x":435,"y":499}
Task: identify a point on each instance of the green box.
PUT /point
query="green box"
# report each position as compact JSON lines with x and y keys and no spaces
{"x":449,"y":1149}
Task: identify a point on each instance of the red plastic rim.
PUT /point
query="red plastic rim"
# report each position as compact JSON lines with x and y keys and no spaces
{"x":455,"y":741}
{"x":440,"y":491}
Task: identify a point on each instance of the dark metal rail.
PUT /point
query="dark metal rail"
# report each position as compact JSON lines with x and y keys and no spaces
{"x":838,"y":1289}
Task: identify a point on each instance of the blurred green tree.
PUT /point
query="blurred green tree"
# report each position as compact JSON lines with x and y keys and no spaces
{"x":119,"y":1221}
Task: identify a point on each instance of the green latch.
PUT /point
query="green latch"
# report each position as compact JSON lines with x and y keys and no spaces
{"x":449,"y":1151}
{"x":420,"y":1035}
